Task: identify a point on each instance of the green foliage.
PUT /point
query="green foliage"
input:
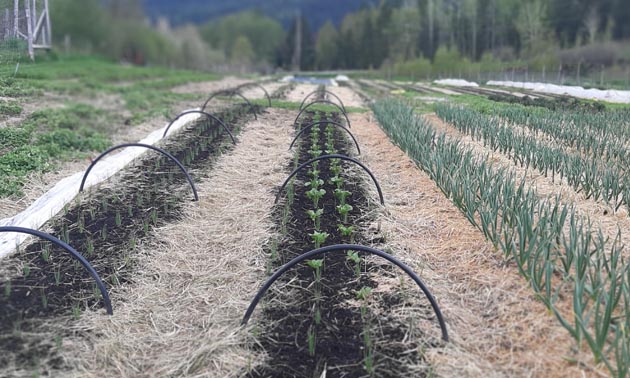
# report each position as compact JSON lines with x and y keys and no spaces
{"x":84,"y":22}
{"x":47,"y":135}
{"x":10,"y":108}
{"x":242,"y":52}
{"x":551,"y":246}
{"x":326,"y":47}
{"x":264,"y":34}
{"x":417,"y":68}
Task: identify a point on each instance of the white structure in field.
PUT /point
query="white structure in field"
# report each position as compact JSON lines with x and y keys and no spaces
{"x":610,"y":95}
{"x":23,"y":22}
{"x":66,"y":190}
{"x":455,"y":83}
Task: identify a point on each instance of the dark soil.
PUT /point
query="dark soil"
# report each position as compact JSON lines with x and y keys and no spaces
{"x":46,"y":288}
{"x":289,"y":307}
{"x":556,"y":103}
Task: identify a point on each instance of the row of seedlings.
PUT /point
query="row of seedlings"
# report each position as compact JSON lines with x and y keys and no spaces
{"x":579,"y":274}
{"x":43,"y":288}
{"x":599,"y":170}
{"x":327,"y":310}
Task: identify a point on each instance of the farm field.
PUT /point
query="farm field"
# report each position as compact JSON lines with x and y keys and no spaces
{"x":479,"y":233}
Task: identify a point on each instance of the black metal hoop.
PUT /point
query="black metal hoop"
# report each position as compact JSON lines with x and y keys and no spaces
{"x":333,"y":156}
{"x":322,"y":102}
{"x":208,"y":115}
{"x":323,"y":91}
{"x":310,"y":125}
{"x":76,"y":255}
{"x":173,"y":158}
{"x":253,"y":84}
{"x":231,"y":93}
{"x":344,"y":247}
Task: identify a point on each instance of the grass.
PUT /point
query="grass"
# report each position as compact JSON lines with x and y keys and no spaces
{"x":10,"y":108}
{"x":48,"y":136}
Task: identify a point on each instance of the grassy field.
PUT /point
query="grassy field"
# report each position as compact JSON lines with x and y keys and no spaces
{"x":57,"y":110}
{"x":507,"y":208}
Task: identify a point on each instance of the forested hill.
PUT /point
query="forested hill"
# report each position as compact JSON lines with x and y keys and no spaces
{"x":199,"y":11}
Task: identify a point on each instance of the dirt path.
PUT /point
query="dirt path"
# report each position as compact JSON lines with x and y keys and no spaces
{"x":205,"y":87}
{"x":299,"y":92}
{"x":348,"y":96}
{"x":498,"y":328}
{"x":599,"y":213}
{"x":181,"y":317}
{"x":255,"y":92}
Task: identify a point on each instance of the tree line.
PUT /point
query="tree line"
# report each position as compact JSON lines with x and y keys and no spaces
{"x":407,"y":36}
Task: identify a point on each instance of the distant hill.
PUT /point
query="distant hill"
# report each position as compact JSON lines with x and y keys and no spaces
{"x":200,"y":11}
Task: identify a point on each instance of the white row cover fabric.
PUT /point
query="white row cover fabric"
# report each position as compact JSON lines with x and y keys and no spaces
{"x":65,"y":191}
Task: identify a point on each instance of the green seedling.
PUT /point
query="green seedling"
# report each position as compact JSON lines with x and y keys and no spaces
{"x":57,"y":274}
{"x":342,"y":195}
{"x":343,"y":210}
{"x":313,"y":173}
{"x":312,"y":341}
{"x":89,"y":247}
{"x":315,"y":152}
{"x":316,"y":217}
{"x":337,"y":181}
{"x":46,"y":253}
{"x":317,"y":272}
{"x":154,"y":216}
{"x":44,"y":299}
{"x":7,"y":290}
{"x":76,"y":311}
{"x":315,"y":183}
{"x":81,"y":222}
{"x":104,"y":232}
{"x":356,"y":259}
{"x":319,"y":238}
{"x":346,"y":231}
{"x":26,"y":270}
{"x":315,"y":195}
{"x":368,"y":359}
{"x":118,"y":219}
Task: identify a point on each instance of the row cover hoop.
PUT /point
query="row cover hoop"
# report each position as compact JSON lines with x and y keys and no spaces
{"x":208,"y":115}
{"x":337,"y":124}
{"x":326,"y":92}
{"x":333,"y":156}
{"x":76,"y":255}
{"x":322,"y":102}
{"x":158,"y":149}
{"x":230,"y":93}
{"x":347,"y":247}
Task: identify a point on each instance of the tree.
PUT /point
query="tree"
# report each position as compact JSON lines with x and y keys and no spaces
{"x":326,"y":47}
{"x":531,"y":25}
{"x":265,"y":34}
{"x":242,"y":53}
{"x":83,"y":21}
{"x":298,"y":40}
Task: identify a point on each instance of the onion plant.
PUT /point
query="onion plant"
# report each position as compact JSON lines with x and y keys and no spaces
{"x":364,"y":295}
{"x":552,"y":247}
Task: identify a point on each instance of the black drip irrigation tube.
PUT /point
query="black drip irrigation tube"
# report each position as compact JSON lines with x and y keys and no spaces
{"x":322,"y":102}
{"x":333,"y":156}
{"x":76,"y":255}
{"x":173,"y":158}
{"x":206,"y":114}
{"x":323,"y":91}
{"x":347,"y":247}
{"x":256,"y":85}
{"x":337,"y":124}
{"x":230,"y":93}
